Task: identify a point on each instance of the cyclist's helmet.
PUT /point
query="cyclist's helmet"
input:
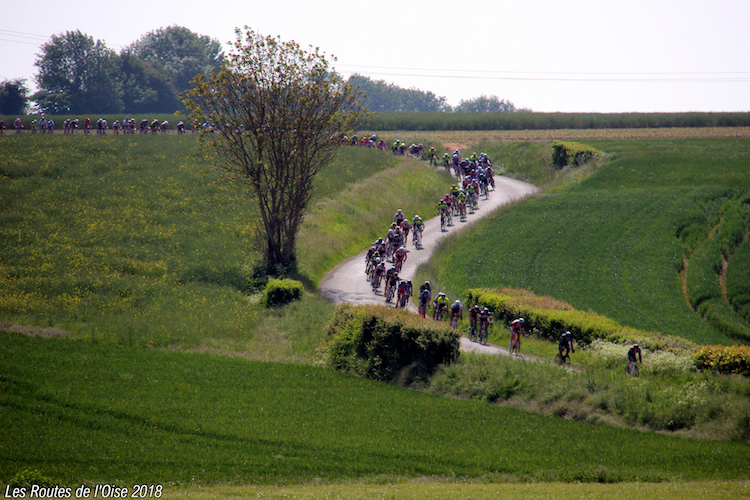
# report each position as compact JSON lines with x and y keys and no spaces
{"x":377,"y":260}
{"x":402,"y":248}
{"x":521,"y":320}
{"x":399,"y":211}
{"x":457,"y":302}
{"x":635,"y":345}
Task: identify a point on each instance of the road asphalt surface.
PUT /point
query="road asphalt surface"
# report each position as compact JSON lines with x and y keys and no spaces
{"x":348,"y":283}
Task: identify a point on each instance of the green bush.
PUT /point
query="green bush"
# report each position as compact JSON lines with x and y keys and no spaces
{"x":30,"y":477}
{"x":724,"y":359}
{"x":572,"y":153}
{"x":279,"y":292}
{"x":387,"y":344}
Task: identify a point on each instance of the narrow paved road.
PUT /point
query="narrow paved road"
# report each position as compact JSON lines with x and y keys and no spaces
{"x":347,"y":282}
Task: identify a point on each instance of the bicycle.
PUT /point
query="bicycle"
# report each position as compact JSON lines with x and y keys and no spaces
{"x":398,"y":263}
{"x":442,"y":221}
{"x":422,"y":310}
{"x":472,"y":332}
{"x":515,"y":344}
{"x":417,"y":238}
{"x":454,"y":321}
{"x":483,"y":333}
{"x":389,"y":293}
{"x":632,"y":369}
{"x":439,"y":314}
{"x":562,"y":359}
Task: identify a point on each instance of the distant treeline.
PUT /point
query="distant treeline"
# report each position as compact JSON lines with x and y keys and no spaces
{"x":528,"y":120}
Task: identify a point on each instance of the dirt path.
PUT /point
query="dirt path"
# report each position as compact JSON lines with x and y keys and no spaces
{"x":347,"y":282}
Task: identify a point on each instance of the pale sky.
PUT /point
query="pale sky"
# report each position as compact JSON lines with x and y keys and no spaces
{"x":546,"y":55}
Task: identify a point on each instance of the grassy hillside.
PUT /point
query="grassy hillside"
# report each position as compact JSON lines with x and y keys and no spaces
{"x":609,"y":242}
{"x":129,"y":241}
{"x":134,"y":240}
{"x":80,"y":412}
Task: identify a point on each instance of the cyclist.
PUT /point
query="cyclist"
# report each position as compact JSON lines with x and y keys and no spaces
{"x":634,"y":352}
{"x":473,"y":315}
{"x":425,"y":293}
{"x":391,"y":281}
{"x":565,"y":344}
{"x":405,"y":227}
{"x":442,"y":212}
{"x":439,"y":305}
{"x":461,"y":203}
{"x":399,"y":257}
{"x":457,"y":312}
{"x":454,"y":193}
{"x":432,"y":156}
{"x":485,"y":322}
{"x":447,"y":161}
{"x":516,"y":330}
{"x":418,"y":224}
{"x":378,"y":274}
{"x":369,"y":260}
{"x":399,"y":217}
{"x":404,"y":292}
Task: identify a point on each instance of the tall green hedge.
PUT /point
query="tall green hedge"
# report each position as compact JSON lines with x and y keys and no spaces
{"x":549,"y":318}
{"x":388,"y":344}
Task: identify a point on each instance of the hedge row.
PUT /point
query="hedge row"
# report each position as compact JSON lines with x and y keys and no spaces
{"x":724,"y":359}
{"x":549,"y":318}
{"x":572,"y":153}
{"x":388,"y":344}
{"x":281,"y":292}
{"x":529,"y":120}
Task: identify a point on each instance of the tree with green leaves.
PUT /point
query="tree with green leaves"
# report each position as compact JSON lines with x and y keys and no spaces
{"x":382,"y":96}
{"x":77,"y":75}
{"x":483,"y":104}
{"x":179,"y":55}
{"x":279,"y":113}
{"x":13,"y":97}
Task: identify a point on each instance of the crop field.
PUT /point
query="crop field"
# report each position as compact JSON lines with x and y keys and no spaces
{"x":84,"y":412}
{"x":134,"y":348}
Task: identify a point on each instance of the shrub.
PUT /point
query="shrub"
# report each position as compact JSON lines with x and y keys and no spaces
{"x":572,"y":153}
{"x":281,"y":292}
{"x":724,"y":359}
{"x":30,"y":477}
{"x":388,"y":344}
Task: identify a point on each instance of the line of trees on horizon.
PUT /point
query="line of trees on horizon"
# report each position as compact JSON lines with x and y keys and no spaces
{"x":80,"y":75}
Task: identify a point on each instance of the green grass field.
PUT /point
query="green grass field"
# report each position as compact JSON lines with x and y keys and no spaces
{"x":82,"y":412}
{"x":125,"y":248}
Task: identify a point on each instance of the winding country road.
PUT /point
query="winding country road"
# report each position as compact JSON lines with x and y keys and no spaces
{"x":347,"y":282}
